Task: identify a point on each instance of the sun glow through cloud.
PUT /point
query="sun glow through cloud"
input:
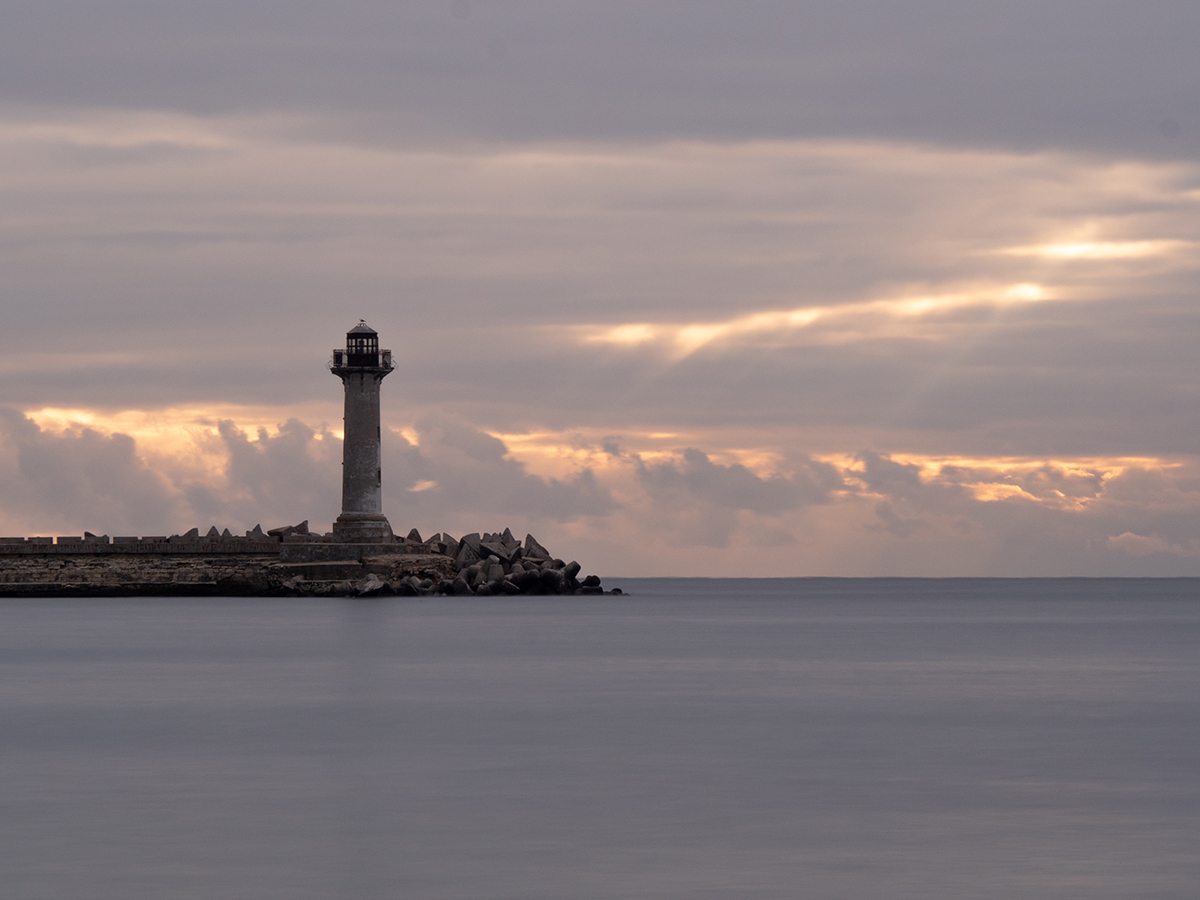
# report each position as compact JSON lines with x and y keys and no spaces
{"x":1102,"y":250}
{"x":684,"y":339}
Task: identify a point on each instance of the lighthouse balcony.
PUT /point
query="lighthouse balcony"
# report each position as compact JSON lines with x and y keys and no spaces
{"x":343,"y":360}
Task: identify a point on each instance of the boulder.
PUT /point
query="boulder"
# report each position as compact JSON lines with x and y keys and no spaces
{"x":571,"y":569}
{"x":534,"y":550}
{"x":592,"y":581}
{"x":466,"y":556}
{"x":498,"y":550}
{"x":551,"y":581}
{"x":212,"y":532}
{"x":414,"y":536}
{"x":256,"y":532}
{"x":371,"y":584}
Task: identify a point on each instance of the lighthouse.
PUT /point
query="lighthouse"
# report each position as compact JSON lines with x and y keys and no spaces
{"x":362,"y":366}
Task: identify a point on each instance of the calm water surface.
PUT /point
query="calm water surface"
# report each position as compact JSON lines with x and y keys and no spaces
{"x":699,"y":739}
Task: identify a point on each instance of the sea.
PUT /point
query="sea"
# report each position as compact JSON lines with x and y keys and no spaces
{"x":742,"y":739}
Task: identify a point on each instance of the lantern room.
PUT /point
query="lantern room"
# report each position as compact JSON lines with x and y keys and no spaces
{"x":362,"y":345}
{"x":362,"y":350}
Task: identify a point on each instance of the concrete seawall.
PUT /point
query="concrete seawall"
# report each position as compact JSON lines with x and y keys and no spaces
{"x":134,"y":546}
{"x":61,"y":573}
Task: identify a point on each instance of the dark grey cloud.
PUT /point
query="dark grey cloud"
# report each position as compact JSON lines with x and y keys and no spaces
{"x":735,"y":486}
{"x":1104,"y":75}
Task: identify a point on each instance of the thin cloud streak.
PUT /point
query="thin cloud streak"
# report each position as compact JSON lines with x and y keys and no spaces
{"x":682,"y":340}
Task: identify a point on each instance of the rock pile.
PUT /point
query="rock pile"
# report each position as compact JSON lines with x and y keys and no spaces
{"x":477,"y":564}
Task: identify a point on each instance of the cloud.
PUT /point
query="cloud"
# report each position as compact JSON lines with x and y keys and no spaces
{"x":849,"y":287}
{"x":928,"y":71}
{"x":681,"y":511}
{"x":77,"y":480}
{"x":1149,"y":545}
{"x":695,"y":475}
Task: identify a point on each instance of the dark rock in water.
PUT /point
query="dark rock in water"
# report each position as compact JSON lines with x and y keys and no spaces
{"x":484,"y":590}
{"x":571,"y":569}
{"x":617,"y":591}
{"x":527,"y":581}
{"x":509,"y":587}
{"x":551,"y":581}
{"x":460,"y":586}
{"x":445,"y":587}
{"x":591,"y":590}
{"x":405,"y":589}
{"x":592,"y":581}
{"x":414,"y":536}
{"x":370,"y":585}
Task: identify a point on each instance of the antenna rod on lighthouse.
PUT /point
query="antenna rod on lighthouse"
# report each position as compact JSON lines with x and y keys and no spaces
{"x":362,"y":366}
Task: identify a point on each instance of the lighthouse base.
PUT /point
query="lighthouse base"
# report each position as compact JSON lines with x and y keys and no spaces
{"x":363,"y":528}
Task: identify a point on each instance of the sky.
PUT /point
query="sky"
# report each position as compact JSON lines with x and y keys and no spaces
{"x":682,"y":288}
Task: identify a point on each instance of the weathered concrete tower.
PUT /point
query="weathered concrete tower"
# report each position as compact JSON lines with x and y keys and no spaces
{"x":362,"y":366}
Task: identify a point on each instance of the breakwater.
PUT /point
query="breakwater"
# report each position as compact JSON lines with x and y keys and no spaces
{"x":286,"y":561}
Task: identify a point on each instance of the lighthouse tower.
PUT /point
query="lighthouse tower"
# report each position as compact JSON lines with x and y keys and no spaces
{"x":362,"y":366}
